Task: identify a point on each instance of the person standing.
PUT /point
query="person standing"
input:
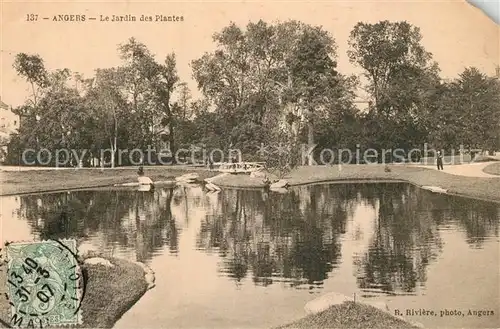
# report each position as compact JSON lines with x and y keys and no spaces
{"x":439,"y":160}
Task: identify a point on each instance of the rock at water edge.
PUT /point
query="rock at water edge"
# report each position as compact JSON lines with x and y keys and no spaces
{"x":435,"y":189}
{"x":279,"y":184}
{"x":149,"y":275}
{"x":323,"y":302}
{"x":281,"y":190}
{"x":87,"y":251}
{"x":98,"y":261}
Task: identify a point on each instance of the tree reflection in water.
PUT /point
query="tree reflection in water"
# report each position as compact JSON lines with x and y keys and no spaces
{"x":407,"y":237}
{"x":291,"y":237}
{"x":124,"y":219}
{"x":295,"y":238}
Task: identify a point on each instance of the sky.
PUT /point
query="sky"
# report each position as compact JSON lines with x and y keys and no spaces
{"x":458,"y":34}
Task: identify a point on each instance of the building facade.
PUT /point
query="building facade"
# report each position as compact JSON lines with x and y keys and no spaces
{"x":9,"y":123}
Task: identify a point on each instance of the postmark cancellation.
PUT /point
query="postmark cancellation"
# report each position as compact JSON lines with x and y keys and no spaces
{"x":45,"y":284}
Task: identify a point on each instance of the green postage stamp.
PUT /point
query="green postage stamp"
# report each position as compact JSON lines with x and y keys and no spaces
{"x":45,"y":284}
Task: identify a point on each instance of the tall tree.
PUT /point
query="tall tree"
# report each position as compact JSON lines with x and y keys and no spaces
{"x":151,"y":86}
{"x":480,"y":108}
{"x":269,"y":77}
{"x":224,"y":75}
{"x":401,"y":80}
{"x":139,"y":64}
{"x":32,"y":68}
{"x":388,"y":51}
{"x":107,"y":101}
{"x":184,"y":98}
{"x":467,"y":112}
{"x":314,"y":75}
{"x":163,"y":81}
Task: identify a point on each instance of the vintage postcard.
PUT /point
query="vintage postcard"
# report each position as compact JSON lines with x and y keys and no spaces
{"x":249,"y":164}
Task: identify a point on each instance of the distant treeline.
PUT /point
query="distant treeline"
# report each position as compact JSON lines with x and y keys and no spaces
{"x":265,"y":84}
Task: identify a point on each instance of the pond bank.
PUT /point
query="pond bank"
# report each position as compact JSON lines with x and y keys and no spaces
{"x":22,"y":182}
{"x":474,"y":187}
{"x":110,"y":292}
{"x":350,"y":315}
{"x":40,"y":181}
{"x":493,"y":169}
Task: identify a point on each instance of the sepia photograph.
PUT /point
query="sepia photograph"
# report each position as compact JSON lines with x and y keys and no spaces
{"x":250,"y":164}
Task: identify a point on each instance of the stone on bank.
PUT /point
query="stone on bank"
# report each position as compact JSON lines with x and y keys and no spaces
{"x":91,"y":256}
{"x":333,"y":298}
{"x":328,"y":300}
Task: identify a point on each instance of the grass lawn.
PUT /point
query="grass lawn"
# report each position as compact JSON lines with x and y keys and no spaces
{"x":110,"y":292}
{"x":17,"y":182}
{"x":493,"y":169}
{"x":50,"y":180}
{"x":349,"y":315}
{"x":481,"y":188}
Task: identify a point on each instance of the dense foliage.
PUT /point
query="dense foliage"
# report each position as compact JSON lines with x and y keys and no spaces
{"x":273,"y":85}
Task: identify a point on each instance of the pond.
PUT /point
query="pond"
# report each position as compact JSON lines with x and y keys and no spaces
{"x":253,"y":259}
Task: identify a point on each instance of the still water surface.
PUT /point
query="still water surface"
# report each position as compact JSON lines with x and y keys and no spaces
{"x":251,"y":259}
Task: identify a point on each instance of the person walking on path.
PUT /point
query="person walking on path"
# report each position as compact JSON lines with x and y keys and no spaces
{"x":439,"y":160}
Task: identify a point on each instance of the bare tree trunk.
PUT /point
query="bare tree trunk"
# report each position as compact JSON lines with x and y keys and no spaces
{"x":113,"y":152}
{"x":113,"y":142}
{"x":290,"y":109}
{"x":35,"y":101}
{"x":310,"y":140}
{"x":35,"y":106}
{"x":171,"y":138}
